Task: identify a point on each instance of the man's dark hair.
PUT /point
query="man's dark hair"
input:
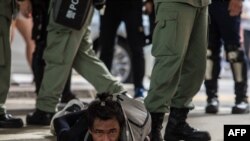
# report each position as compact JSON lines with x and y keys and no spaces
{"x":105,"y":108}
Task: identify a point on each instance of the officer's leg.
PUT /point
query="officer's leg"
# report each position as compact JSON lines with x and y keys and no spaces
{"x":58,"y":65}
{"x":40,"y":19}
{"x":109,"y":24}
{"x":237,"y":59}
{"x":213,"y":65}
{"x":56,"y":71}
{"x":191,"y":75}
{"x":212,"y":71}
{"x":213,"y":56}
{"x":5,"y":59}
{"x":67,"y":95}
{"x":39,"y":34}
{"x":6,"y":120}
{"x":90,"y":67}
{"x":136,"y":39}
{"x":173,"y":81}
{"x":211,"y":78}
{"x":62,"y":46}
{"x":38,"y":64}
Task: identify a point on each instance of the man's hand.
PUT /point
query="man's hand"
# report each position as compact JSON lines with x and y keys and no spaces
{"x":235,"y":7}
{"x":25,"y":8}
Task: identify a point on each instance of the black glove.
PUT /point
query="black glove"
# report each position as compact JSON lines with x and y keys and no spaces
{"x":99,"y":4}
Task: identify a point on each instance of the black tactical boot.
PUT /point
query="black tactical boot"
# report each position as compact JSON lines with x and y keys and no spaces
{"x":7,"y":121}
{"x":157,"y":120}
{"x":177,"y":128}
{"x":241,"y":103}
{"x":212,"y":105}
{"x":39,"y":117}
{"x":212,"y":97}
{"x":241,"y":106}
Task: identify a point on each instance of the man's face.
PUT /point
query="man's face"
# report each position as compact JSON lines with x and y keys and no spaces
{"x":105,"y":130}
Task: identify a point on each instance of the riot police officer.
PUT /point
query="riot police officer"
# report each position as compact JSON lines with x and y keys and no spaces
{"x":68,"y":47}
{"x":224,"y":28}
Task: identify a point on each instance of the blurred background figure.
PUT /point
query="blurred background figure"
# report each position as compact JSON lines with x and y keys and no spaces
{"x":24,"y":26}
{"x":245,"y":24}
{"x":224,"y":30}
{"x":150,"y":11}
{"x":130,"y":12}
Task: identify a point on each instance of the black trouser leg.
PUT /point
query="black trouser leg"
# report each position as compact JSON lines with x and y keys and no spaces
{"x":38,"y":64}
{"x":67,"y":95}
{"x":136,"y":40}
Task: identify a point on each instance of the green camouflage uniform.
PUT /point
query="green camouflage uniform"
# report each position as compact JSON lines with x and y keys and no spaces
{"x":67,"y":48}
{"x":179,"y":46}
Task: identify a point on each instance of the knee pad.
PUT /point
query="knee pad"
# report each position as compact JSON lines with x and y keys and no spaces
{"x":234,"y":54}
{"x":212,"y":65}
{"x":209,"y":67}
{"x":236,"y":57}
